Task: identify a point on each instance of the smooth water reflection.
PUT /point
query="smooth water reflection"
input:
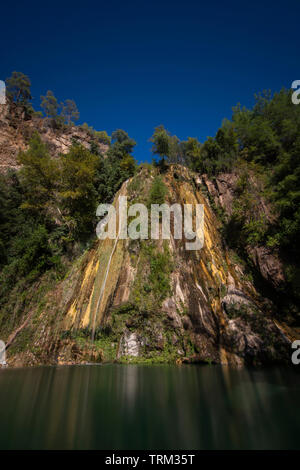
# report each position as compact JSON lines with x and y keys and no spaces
{"x":148,"y":407}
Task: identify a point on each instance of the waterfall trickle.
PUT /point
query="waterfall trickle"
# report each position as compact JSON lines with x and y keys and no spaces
{"x":105,"y":277}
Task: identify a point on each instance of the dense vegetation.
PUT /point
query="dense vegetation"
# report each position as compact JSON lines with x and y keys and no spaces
{"x":261,"y":145}
{"x":47,"y":209}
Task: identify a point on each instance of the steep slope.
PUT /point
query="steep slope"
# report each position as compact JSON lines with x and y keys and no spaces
{"x":132,"y":300}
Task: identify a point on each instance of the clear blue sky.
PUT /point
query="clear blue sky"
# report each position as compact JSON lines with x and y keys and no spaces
{"x":137,"y":64}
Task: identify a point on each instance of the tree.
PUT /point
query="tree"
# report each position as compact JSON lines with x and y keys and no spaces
{"x":103,"y":137}
{"x":39,"y":174}
{"x":18,"y":88}
{"x":158,"y":191}
{"x":167,"y":146}
{"x":161,"y":142}
{"x":175,"y":150}
{"x":128,"y":165}
{"x":122,"y":142}
{"x":192,"y":152}
{"x":77,"y":191}
{"x":211,"y":152}
{"x":24,"y":236}
{"x":118,"y":167}
{"x":49,"y":105}
{"x":61,"y":190}
{"x":69,"y":111}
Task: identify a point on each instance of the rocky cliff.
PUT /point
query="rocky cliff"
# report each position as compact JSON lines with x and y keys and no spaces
{"x":152,"y":300}
{"x":222,"y":190}
{"x":148,"y":300}
{"x":16,"y":129}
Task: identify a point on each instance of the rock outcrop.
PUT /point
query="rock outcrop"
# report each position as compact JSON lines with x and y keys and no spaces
{"x":16,"y":129}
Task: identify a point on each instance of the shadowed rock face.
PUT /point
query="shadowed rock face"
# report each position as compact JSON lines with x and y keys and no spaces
{"x":159,"y":302}
{"x":222,"y":190}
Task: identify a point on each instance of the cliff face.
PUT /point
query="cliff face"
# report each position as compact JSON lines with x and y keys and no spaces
{"x":143,"y":300}
{"x":222,"y":190}
{"x":132,"y":300}
{"x":16,"y":130}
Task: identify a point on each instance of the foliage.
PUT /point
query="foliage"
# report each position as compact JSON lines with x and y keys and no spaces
{"x":192,"y":152}
{"x":49,"y":105}
{"x":263,"y":146}
{"x":77,"y":194}
{"x":153,"y":282}
{"x":122,"y":143}
{"x":100,"y":136}
{"x":161,"y":142}
{"x":49,"y":206}
{"x":69,"y":111}
{"x":158,"y":191}
{"x":18,"y":88}
{"x":117,"y":167}
{"x":168,"y":146}
{"x":160,"y":270}
{"x":103,"y":137}
{"x":39,"y":174}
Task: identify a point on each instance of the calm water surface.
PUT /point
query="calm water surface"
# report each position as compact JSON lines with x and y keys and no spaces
{"x":149,"y":407}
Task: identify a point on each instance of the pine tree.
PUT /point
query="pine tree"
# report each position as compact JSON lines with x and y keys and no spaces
{"x":18,"y":88}
{"x":69,"y":111}
{"x":49,"y":105}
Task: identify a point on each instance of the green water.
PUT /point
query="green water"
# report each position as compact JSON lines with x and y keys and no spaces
{"x":149,"y":407}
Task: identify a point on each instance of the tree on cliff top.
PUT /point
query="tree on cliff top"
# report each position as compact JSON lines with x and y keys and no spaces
{"x":161,"y":142}
{"x":168,"y":146}
{"x":49,"y":104}
{"x":69,"y":111}
{"x":122,"y":143}
{"x":18,"y":88}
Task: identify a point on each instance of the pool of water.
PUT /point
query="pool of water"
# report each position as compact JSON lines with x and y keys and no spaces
{"x":118,"y":407}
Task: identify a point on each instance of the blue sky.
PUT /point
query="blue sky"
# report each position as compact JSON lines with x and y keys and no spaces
{"x":137,"y":64}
